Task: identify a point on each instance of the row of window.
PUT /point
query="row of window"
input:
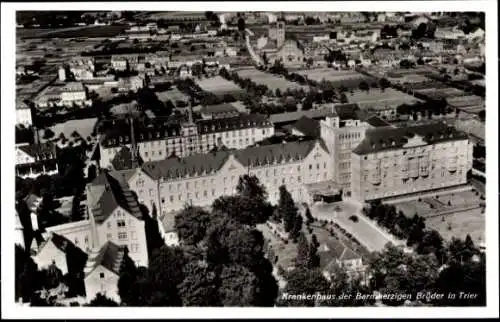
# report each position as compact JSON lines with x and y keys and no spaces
{"x":122,"y":235}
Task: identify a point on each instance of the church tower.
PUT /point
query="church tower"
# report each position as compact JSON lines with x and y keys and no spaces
{"x":280,"y":33}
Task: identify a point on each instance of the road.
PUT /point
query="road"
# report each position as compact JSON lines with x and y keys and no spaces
{"x":374,"y":238}
{"x":254,"y":56}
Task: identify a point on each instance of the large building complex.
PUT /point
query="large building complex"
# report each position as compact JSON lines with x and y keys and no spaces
{"x":342,"y":131}
{"x":200,"y":179}
{"x":156,"y":141}
{"x":397,"y":161}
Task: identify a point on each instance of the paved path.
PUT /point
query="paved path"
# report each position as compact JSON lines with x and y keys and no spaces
{"x":367,"y":232}
{"x":254,"y":56}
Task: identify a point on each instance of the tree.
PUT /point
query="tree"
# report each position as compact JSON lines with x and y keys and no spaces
{"x":102,"y":300}
{"x":238,"y":286}
{"x":278,"y":92}
{"x":51,"y":277}
{"x":48,"y":134}
{"x":297,"y":227}
{"x":191,"y":224}
{"x":363,"y":85}
{"x":384,"y":83}
{"x":241,"y":24}
{"x":301,"y":281}
{"x":249,"y":206}
{"x":127,"y":283}
{"x":302,"y":251}
{"x":199,"y":287}
{"x":287,"y":211}
{"x":25,"y":275}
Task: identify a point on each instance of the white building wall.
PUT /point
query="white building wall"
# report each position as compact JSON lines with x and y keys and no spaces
{"x":132,"y":235}
{"x":51,"y":254}
{"x":106,"y":284}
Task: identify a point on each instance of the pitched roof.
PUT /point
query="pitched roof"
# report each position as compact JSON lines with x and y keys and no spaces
{"x":109,"y":256}
{"x":243,"y":121}
{"x":199,"y":164}
{"x":42,"y":150}
{"x":113,"y":193}
{"x":60,"y":242}
{"x":389,"y":138}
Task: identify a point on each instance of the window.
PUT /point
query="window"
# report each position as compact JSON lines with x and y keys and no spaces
{"x":310,"y":167}
{"x":317,"y":166}
{"x":122,"y":235}
{"x":120,"y":223}
{"x":162,"y":200}
{"x":134,"y":248}
{"x":299,"y":179}
{"x":298,"y":168}
{"x":324,"y":165}
{"x":101,"y":275}
{"x":213,"y":192}
{"x":204,"y":193}
{"x":86,"y":239}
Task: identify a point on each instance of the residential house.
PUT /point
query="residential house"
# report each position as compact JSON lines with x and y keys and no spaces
{"x":33,"y":160}
{"x":102,"y":271}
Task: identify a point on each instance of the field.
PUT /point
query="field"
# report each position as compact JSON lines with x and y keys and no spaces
{"x":75,"y":32}
{"x":271,"y":81}
{"x":365,"y":231}
{"x":470,"y":222}
{"x":441,"y":93}
{"x":378,"y":97}
{"x":459,"y":218}
{"x":219,"y":86}
{"x":172,"y":94}
{"x":336,"y":76}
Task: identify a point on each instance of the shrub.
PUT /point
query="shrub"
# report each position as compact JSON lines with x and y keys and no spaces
{"x":354,"y":218}
{"x":419,"y":199}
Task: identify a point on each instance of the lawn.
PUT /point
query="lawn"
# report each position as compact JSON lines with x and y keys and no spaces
{"x":457,"y":220}
{"x":219,"y":86}
{"x":270,"y":80}
{"x":329,"y":74}
{"x":173,"y":95}
{"x":378,"y":97}
{"x":458,"y":201}
{"x":470,"y":222}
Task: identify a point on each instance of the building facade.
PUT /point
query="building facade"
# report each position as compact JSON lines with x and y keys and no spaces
{"x":33,"y":160}
{"x":159,"y":141}
{"x":396,"y":161}
{"x":198,"y":180}
{"x":342,"y":131}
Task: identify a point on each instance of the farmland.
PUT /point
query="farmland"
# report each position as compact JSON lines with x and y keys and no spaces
{"x":74,"y":32}
{"x":271,"y":81}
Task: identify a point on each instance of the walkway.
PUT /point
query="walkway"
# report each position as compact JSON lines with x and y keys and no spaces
{"x":254,"y":56}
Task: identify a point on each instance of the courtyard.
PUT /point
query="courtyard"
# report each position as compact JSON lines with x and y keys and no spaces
{"x":371,"y":236}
